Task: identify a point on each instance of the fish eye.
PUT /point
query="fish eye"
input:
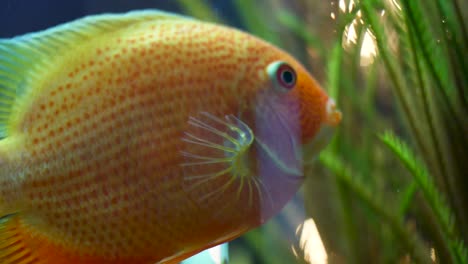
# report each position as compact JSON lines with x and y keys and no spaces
{"x":283,"y":75}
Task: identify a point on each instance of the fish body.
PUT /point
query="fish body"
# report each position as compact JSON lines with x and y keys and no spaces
{"x":146,"y":137}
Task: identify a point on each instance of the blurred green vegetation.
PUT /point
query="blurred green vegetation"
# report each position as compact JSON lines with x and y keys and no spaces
{"x":392,"y":185}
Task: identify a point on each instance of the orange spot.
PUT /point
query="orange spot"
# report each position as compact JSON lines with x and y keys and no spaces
{"x":135,"y":75}
{"x":104,"y":119}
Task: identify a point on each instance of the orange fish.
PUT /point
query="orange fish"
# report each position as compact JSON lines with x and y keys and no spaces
{"x":147,"y":137}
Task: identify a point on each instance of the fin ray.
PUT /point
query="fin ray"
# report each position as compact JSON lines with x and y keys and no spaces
{"x":19,"y":244}
{"x":214,"y":156}
{"x":12,"y":248}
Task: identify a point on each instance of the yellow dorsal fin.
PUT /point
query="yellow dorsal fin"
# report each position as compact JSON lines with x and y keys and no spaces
{"x":23,"y":58}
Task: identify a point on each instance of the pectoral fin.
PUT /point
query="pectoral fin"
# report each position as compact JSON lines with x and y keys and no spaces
{"x":216,"y":156}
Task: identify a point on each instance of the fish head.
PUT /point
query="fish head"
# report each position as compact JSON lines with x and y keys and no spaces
{"x":243,"y":163}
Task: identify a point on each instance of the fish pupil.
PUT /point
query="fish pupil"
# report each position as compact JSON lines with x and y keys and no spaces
{"x":287,"y":77}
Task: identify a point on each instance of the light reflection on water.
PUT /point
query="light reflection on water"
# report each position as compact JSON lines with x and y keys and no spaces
{"x":311,"y":243}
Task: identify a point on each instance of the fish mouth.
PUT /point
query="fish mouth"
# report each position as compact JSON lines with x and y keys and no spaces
{"x":333,"y":115}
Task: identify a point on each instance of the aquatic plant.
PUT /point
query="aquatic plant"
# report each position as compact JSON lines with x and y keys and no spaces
{"x":392,"y":185}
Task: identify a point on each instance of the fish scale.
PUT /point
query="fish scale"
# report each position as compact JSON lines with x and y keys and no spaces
{"x":92,"y":168}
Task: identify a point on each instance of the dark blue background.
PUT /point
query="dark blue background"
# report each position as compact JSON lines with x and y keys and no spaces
{"x":23,"y":16}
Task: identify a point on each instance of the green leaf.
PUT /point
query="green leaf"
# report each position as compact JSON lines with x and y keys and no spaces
{"x":396,"y":75}
{"x":409,"y":240}
{"x":407,"y":198}
{"x":334,"y":71}
{"x":435,"y":200}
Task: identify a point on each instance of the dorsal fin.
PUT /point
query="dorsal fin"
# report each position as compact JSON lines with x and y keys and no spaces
{"x":23,"y":57}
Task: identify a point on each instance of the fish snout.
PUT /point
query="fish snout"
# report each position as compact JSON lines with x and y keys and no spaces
{"x":333,"y":115}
